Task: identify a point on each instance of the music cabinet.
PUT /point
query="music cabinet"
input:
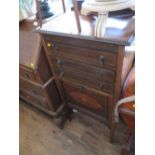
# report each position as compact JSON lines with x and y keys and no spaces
{"x":88,"y":70}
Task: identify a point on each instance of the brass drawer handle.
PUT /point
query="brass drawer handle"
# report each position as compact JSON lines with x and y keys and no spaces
{"x":53,"y":46}
{"x":49,"y":45}
{"x":59,"y":64}
{"x":101,"y":59}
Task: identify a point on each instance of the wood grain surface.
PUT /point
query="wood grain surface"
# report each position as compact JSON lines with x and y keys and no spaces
{"x":82,"y":136}
{"x":118,"y":30}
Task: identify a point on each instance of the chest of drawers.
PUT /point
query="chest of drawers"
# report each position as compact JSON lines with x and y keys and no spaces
{"x":88,"y":69}
{"x":88,"y":72}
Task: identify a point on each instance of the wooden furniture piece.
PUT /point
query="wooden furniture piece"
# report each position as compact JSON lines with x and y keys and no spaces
{"x":36,"y":82}
{"x":88,"y":70}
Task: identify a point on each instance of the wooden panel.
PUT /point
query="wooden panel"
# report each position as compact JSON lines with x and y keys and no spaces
{"x":82,"y":136}
{"x":43,"y":69}
{"x":80,"y":95}
{"x":83,"y":54}
{"x":34,"y":99}
{"x":98,"y":78}
{"x":34,"y":88}
{"x":27,"y":73}
{"x":53,"y":95}
{"x":86,"y":43}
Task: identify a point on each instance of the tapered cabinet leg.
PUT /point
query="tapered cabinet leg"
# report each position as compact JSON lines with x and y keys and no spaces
{"x":65,"y":115}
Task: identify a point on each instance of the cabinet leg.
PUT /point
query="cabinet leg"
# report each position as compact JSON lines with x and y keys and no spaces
{"x":65,"y":115}
{"x":112,"y":132}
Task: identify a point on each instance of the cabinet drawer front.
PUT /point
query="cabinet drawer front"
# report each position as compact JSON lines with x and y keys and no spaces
{"x":34,"y":89}
{"x":36,"y":100}
{"x":86,"y":55}
{"x":81,"y":96}
{"x":79,"y":42}
{"x":98,"y":78}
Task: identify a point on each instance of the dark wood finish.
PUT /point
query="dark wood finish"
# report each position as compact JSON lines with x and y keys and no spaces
{"x":101,"y":79}
{"x":79,"y":42}
{"x":32,"y":87}
{"x":88,"y":69}
{"x":58,"y":82}
{"x":84,"y":97}
{"x":93,"y":56}
{"x":47,"y":91}
{"x":37,"y":100}
{"x":117,"y":90}
{"x":37,"y":85}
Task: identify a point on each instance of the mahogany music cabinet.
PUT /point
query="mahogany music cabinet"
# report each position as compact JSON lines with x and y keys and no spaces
{"x":88,"y":70}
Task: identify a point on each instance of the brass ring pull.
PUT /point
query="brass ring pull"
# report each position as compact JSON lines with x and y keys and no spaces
{"x":101,"y":59}
{"x":59,"y":63}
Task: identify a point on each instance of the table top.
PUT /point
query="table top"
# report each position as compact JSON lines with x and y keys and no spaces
{"x":118,"y":30}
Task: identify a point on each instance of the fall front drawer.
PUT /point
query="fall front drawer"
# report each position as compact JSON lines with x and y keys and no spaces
{"x":32,"y":87}
{"x":86,"y":98}
{"x":98,"y":78}
{"x":48,"y":91}
{"x":88,"y":55}
{"x":33,"y":99}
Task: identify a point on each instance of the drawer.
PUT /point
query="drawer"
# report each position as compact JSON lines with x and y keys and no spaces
{"x":27,"y":73}
{"x":33,"y":88}
{"x":86,"y":98}
{"x":80,"y":42}
{"x":35,"y":100}
{"x":98,"y":78}
{"x":101,"y":58}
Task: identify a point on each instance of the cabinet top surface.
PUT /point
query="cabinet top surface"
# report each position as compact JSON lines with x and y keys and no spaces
{"x":118,"y":30}
{"x":29,"y":44}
